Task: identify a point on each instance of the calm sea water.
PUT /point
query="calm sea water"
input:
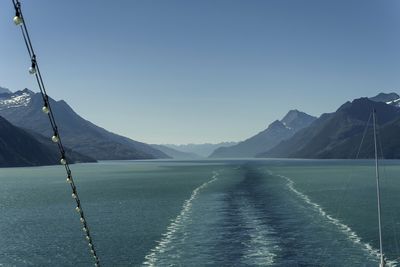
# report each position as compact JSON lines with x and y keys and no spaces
{"x":201,"y":213}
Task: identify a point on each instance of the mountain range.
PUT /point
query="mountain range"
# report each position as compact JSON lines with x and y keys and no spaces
{"x":390,"y":98}
{"x":277,"y":131}
{"x":339,"y":134}
{"x":202,"y":150}
{"x":24,"y":109}
{"x":25,"y":132}
{"x":177,"y":154}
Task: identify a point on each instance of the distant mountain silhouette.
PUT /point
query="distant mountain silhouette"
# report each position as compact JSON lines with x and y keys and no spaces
{"x":24,"y":109}
{"x":203,"y":150}
{"x":277,"y":131}
{"x":19,"y":148}
{"x":176,"y":154}
{"x":4,"y":90}
{"x":338,"y":134}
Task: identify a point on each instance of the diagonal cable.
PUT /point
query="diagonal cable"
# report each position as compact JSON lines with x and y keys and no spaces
{"x":35,"y":70}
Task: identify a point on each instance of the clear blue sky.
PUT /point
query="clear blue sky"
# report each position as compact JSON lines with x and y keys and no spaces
{"x":203,"y":71}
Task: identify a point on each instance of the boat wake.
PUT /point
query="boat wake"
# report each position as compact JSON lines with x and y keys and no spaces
{"x":177,"y":225}
{"x":350,"y":233}
{"x":261,"y":246}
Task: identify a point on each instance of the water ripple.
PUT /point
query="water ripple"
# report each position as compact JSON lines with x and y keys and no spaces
{"x":350,"y":233}
{"x":165,"y":244}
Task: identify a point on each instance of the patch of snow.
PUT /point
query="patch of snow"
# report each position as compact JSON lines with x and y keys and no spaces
{"x":287,"y":127}
{"x":15,"y":100}
{"x":395,"y":102}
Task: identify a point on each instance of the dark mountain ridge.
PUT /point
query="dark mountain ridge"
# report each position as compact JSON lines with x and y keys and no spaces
{"x":385,"y":97}
{"x":24,"y":109}
{"x":19,"y":148}
{"x":277,"y":131}
{"x":337,"y":134}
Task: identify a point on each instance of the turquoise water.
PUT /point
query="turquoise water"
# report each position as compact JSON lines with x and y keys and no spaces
{"x":201,"y":213}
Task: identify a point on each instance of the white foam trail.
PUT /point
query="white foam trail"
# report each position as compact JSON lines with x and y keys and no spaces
{"x":176,"y":224}
{"x":262,"y":246}
{"x":350,"y":233}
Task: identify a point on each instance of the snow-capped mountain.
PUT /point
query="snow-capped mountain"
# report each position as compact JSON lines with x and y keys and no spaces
{"x":14,"y":100}
{"x":390,"y":98}
{"x":395,"y":102}
{"x":24,"y":109}
{"x":338,"y":135}
{"x":276,"y":132}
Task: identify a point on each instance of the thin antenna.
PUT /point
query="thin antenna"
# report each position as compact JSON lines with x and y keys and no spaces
{"x":382,"y":261}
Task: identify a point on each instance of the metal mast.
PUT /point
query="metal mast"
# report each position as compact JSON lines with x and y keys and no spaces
{"x":382,"y":261}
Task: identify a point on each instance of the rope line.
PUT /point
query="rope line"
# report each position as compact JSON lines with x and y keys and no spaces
{"x":56,"y":138}
{"x":363,"y":137}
